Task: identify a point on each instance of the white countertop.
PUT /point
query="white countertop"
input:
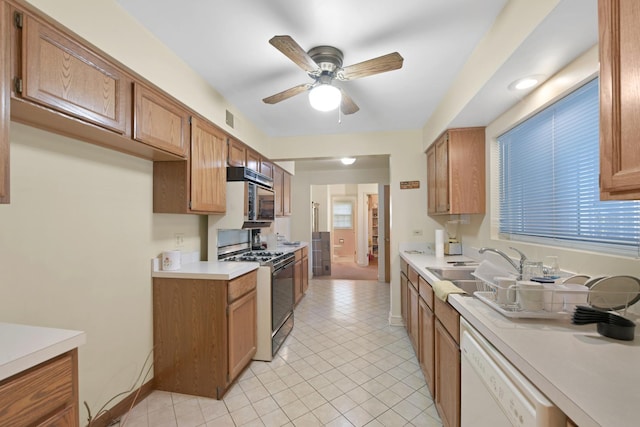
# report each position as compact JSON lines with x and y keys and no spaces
{"x":213,"y":270}
{"x":23,"y":346}
{"x":593,"y":379}
{"x":207,"y":270}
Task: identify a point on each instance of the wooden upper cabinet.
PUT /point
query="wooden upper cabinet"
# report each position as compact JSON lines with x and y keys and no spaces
{"x":456,"y":172}
{"x":619,"y":99}
{"x":253,"y":160}
{"x":197,"y":185}
{"x":266,"y":168}
{"x":208,"y":167}
{"x":237,"y":153}
{"x":278,"y":187}
{"x":62,"y":74}
{"x":159,"y":121}
{"x":286,"y":194}
{"x":431,"y":179}
{"x":5,"y":72}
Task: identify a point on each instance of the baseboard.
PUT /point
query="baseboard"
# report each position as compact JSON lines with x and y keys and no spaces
{"x":395,"y":320}
{"x":122,"y":407}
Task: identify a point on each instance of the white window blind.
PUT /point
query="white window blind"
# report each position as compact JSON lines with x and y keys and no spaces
{"x":342,"y":214}
{"x":549,"y":169}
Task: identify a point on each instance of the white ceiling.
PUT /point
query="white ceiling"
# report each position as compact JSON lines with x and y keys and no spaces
{"x":227,"y":43}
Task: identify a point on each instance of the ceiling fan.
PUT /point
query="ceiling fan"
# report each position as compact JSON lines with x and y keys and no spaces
{"x":324,"y":64}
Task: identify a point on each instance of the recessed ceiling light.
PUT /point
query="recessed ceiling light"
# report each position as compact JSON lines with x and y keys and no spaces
{"x":525,"y":82}
{"x":348,"y":160}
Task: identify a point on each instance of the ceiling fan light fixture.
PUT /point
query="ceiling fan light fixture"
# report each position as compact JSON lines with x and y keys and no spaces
{"x":325,"y":97}
{"x":348,"y":160}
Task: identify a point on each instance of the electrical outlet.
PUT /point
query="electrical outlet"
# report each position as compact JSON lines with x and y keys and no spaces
{"x":179,"y":240}
{"x":417,"y":232}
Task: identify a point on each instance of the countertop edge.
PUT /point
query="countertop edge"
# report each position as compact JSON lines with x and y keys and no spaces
{"x":28,"y":360}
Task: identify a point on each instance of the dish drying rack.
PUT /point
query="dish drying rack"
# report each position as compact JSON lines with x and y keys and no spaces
{"x":557,"y":301}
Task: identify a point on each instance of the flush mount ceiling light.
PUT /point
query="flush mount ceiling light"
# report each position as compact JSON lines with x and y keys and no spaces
{"x":325,"y":97}
{"x":348,"y":160}
{"x":526,"y":82}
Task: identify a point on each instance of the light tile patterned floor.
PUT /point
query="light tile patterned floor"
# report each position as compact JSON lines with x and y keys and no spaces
{"x":342,"y":365}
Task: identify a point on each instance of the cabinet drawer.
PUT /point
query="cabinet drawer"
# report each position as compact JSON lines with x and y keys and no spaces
{"x":305,"y":251}
{"x":241,"y":285}
{"x":426,"y":291}
{"x":413,"y":277}
{"x":449,"y":318}
{"x":298,"y":255}
{"x":404,"y":267}
{"x":35,"y":394}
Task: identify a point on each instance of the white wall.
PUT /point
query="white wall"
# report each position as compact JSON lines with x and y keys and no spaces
{"x":75,"y":249}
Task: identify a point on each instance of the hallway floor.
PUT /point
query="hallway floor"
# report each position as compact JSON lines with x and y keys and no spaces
{"x":342,"y":365}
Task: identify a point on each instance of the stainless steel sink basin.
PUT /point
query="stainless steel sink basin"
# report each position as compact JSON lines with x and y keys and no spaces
{"x":460,"y":276}
{"x":453,"y":273}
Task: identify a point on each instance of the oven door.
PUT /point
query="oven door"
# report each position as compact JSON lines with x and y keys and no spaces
{"x":281,"y":295}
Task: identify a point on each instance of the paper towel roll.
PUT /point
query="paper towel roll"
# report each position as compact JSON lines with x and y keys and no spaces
{"x":439,"y":243}
{"x":171,"y":260}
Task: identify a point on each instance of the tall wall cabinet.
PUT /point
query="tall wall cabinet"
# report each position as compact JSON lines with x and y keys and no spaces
{"x":619,"y":99}
{"x":372,"y":202}
{"x":456,"y":173}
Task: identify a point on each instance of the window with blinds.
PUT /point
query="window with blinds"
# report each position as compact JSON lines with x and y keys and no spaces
{"x":549,"y":170}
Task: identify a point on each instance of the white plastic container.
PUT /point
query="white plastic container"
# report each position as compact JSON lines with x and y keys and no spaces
{"x":171,"y":260}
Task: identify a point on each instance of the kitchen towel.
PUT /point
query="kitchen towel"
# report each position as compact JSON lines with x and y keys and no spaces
{"x":442,"y":289}
{"x":439,"y":243}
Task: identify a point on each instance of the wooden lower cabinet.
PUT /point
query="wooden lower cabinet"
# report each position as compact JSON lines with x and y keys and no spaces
{"x":204,"y":333}
{"x":300,"y":274}
{"x":412,"y":311}
{"x":426,"y":354}
{"x":45,"y":395}
{"x":404,"y":284}
{"x":447,"y":375}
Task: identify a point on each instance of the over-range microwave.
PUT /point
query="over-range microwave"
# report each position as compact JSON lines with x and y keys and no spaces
{"x":260,"y":199}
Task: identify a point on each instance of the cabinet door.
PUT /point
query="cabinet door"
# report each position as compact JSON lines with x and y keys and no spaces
{"x":278,"y":186}
{"x":286,"y":195}
{"x":447,"y":369}
{"x":619,"y":94}
{"x":431,"y":179}
{"x":404,"y":283}
{"x":159,"y":121}
{"x":297,"y":281}
{"x":414,"y":326}
{"x":253,"y":160}
{"x":426,"y":355}
{"x":237,"y":153}
{"x":305,"y":274}
{"x":208,"y":167}
{"x":442,"y":174}
{"x":5,"y":74}
{"x":65,"y":76}
{"x":242,"y":334}
{"x":266,"y":168}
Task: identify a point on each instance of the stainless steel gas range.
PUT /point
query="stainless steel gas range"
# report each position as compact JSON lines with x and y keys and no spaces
{"x":274,"y":289}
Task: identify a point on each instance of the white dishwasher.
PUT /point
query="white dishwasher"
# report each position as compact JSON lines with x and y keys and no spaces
{"x":494,"y":393}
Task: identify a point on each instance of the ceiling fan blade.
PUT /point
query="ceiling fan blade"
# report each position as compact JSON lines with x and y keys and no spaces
{"x":381,"y":64}
{"x":294,"y":52}
{"x":347,"y":106}
{"x":286,"y":94}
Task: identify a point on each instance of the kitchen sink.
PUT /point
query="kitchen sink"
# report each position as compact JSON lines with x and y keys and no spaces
{"x":453,"y":273}
{"x":460,"y":276}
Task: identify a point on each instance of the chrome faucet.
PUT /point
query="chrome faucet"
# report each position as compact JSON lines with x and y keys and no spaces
{"x":517,"y":267}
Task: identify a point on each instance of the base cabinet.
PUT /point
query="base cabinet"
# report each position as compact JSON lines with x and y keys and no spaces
{"x":426,"y":354}
{"x":204,"y":333}
{"x":447,"y":370}
{"x":45,"y":395}
{"x":300,"y":274}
